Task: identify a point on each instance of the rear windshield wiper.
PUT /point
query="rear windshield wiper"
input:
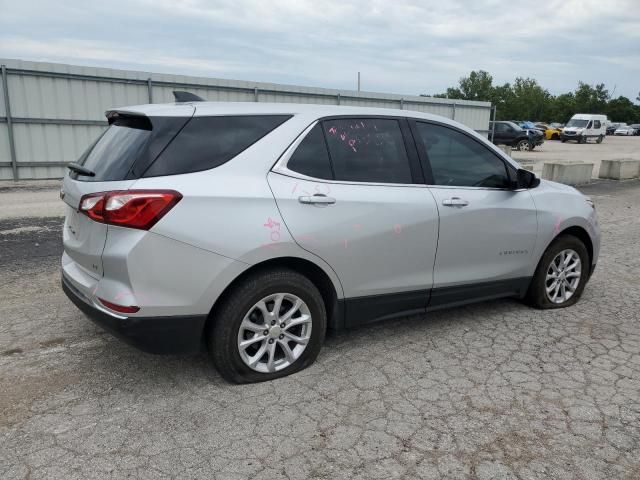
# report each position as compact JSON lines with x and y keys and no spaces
{"x":80,"y":169}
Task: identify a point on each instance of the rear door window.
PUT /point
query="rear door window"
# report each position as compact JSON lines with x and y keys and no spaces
{"x":208,"y":142}
{"x":367,"y":150}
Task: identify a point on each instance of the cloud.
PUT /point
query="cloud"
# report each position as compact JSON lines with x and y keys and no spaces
{"x":405,"y":46}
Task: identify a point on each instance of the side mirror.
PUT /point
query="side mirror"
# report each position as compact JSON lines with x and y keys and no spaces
{"x":526,"y":179}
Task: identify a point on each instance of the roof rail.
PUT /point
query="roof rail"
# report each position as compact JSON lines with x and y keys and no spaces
{"x":186,"y":97}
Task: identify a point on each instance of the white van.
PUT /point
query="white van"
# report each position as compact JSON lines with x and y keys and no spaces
{"x":583,"y":126}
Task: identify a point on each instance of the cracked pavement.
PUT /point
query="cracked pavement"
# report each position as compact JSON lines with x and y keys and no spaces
{"x":493,"y":390}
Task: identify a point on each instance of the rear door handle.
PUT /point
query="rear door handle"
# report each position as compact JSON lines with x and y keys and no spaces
{"x":317,"y":199}
{"x":455,"y":202}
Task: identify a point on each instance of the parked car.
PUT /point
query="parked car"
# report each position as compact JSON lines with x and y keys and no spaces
{"x":548,"y":132}
{"x":611,"y":128}
{"x":636,"y":127}
{"x":553,"y":133}
{"x":584,"y":126}
{"x":508,"y":133}
{"x":625,"y":130}
{"x":526,"y":125}
{"x":252,"y":228}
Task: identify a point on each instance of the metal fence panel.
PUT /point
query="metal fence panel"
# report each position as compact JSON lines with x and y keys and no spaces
{"x":57,"y":110}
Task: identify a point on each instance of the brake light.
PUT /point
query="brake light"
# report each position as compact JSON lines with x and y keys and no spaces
{"x":139,"y":209}
{"x":119,"y":308}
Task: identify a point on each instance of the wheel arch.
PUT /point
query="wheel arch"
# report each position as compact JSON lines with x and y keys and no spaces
{"x":582,"y":235}
{"x":322,"y":281}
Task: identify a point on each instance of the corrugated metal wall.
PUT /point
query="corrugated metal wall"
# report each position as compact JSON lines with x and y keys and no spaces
{"x":56,"y":110}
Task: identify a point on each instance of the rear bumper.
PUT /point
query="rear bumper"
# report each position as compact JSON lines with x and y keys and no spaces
{"x":163,"y":335}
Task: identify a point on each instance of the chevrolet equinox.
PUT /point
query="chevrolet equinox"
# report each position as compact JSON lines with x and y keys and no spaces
{"x":249,"y":229}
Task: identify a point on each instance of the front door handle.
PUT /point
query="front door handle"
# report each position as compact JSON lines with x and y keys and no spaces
{"x":317,"y":199}
{"x":455,"y":202}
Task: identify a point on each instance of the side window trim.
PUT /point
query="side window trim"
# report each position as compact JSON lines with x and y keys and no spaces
{"x":424,"y":157}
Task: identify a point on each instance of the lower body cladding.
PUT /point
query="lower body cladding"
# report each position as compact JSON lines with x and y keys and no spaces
{"x":182,"y":334}
{"x":150,"y":334}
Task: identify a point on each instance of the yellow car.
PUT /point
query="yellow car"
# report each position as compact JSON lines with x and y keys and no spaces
{"x":550,"y":132}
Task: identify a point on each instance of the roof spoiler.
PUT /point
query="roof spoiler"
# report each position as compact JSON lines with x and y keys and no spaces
{"x":186,"y":97}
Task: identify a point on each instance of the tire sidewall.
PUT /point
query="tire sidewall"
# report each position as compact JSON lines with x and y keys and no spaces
{"x":223,"y":336}
{"x":537,"y":292}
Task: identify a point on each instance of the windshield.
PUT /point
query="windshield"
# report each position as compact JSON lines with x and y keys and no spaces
{"x":574,"y":122}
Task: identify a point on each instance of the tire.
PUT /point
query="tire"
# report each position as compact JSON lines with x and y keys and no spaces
{"x":563,"y":140}
{"x":223,"y":337}
{"x":582,"y":139}
{"x":537,"y":295}
{"x":555,"y":136}
{"x":523,"y":145}
{"x":599,"y":140}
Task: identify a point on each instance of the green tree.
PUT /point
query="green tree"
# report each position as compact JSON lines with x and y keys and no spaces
{"x":622,"y":109}
{"x":525,"y":99}
{"x":530,"y":100}
{"x":562,"y":107}
{"x":477,"y":86}
{"x":591,"y":99}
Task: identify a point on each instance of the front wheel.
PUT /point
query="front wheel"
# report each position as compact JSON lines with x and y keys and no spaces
{"x":271,"y":325}
{"x":599,"y":140}
{"x":523,"y":145}
{"x":561,"y":275}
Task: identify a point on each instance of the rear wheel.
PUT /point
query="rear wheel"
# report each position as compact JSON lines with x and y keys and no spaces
{"x":271,"y":325}
{"x":561,"y":275}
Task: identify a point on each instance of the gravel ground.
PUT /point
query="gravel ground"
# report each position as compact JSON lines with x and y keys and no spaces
{"x":495,"y":390}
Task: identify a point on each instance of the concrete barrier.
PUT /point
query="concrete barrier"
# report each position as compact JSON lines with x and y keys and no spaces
{"x":526,"y":164}
{"x":621,"y":169}
{"x":568,"y":172}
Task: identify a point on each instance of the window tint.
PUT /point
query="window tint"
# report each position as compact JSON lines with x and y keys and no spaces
{"x":367,"y":150}
{"x":458,"y":160}
{"x":596,"y":124}
{"x":311,"y":157}
{"x":115,"y":150}
{"x":208,"y":142}
{"x":502,"y":127}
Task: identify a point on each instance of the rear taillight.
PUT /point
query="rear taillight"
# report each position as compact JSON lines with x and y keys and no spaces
{"x":119,"y":308}
{"x":129,"y":208}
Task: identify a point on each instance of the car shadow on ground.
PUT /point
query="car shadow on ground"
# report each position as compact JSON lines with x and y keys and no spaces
{"x":135,"y":368}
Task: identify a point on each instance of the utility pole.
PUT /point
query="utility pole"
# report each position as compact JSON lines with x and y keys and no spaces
{"x":358,"y":81}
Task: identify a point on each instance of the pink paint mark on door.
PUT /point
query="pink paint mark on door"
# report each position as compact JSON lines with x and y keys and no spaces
{"x":397,"y":228}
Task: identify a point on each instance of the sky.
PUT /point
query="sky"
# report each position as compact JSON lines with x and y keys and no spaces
{"x":399,"y":46}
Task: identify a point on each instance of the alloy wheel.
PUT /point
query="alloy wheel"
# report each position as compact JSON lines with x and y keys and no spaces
{"x":274,"y":333}
{"x":563,"y":276}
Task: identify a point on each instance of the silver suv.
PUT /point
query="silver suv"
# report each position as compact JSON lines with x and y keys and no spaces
{"x":250,"y":229}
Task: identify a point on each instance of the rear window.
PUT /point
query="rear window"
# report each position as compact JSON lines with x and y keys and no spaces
{"x":111,"y":156}
{"x":208,"y":142}
{"x":136,"y":146}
